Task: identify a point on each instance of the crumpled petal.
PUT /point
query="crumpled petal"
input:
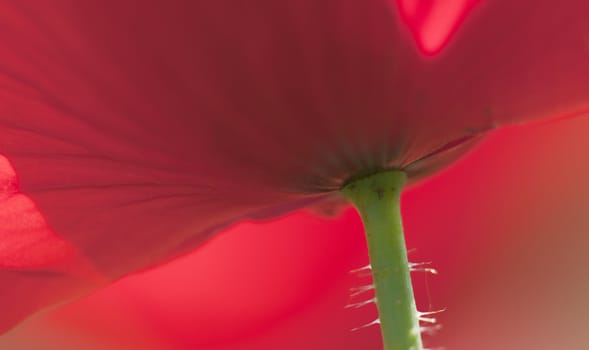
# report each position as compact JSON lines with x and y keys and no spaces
{"x":140,"y":128}
{"x":37,"y":266}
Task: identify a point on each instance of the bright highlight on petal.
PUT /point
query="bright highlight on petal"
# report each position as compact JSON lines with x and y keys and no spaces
{"x":432,"y":22}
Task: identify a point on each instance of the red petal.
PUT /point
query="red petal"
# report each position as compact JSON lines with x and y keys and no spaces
{"x":37,"y":267}
{"x":513,"y":61}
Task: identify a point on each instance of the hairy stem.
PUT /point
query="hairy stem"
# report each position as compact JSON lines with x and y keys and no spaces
{"x":377,"y":199}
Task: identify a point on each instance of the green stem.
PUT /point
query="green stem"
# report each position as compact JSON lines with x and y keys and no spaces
{"x":377,"y":199}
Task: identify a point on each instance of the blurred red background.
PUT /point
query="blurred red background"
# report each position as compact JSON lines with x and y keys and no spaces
{"x":507,"y":228}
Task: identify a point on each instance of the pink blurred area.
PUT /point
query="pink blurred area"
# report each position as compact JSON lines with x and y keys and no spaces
{"x":506,"y":227}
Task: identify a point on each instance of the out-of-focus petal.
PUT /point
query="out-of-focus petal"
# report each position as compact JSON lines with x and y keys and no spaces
{"x":37,"y":266}
{"x":433,"y":22}
{"x":513,"y":62}
{"x":508,"y":62}
{"x":26,"y":241}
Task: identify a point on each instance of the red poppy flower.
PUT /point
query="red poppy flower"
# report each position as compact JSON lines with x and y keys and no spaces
{"x":133,"y":132}
{"x":511,"y":258}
